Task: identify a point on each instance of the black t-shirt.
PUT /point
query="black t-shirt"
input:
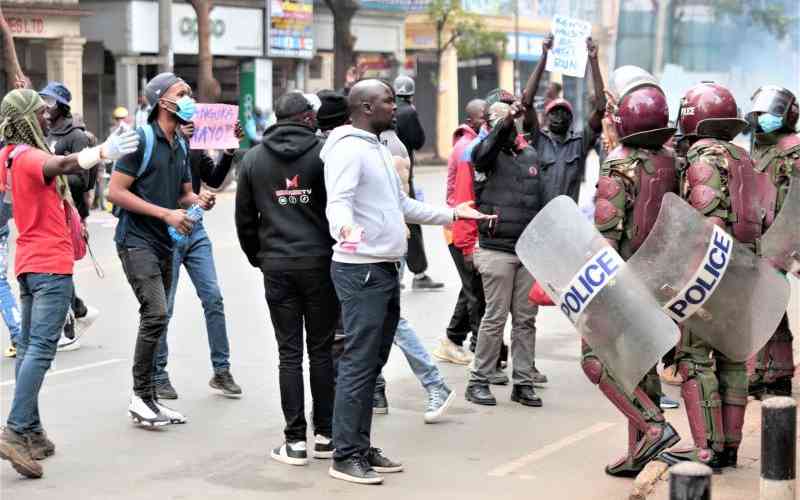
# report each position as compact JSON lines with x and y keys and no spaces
{"x":161,"y":184}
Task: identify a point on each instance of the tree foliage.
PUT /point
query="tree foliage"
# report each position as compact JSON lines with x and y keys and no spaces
{"x":455,"y":27}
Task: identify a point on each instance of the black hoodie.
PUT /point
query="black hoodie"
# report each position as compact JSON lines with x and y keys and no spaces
{"x":280,"y":201}
{"x":65,"y":140}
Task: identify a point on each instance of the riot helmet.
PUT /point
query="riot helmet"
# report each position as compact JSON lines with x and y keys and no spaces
{"x":778,"y":102}
{"x":641,"y":115}
{"x":404,"y":86}
{"x":628,"y":78}
{"x":709,"y":110}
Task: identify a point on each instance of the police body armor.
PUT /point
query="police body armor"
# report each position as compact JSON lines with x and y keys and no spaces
{"x":745,"y":200}
{"x":780,"y":161}
{"x":643,"y":175}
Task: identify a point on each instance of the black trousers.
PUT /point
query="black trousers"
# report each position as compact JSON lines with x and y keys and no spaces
{"x":297,"y":298}
{"x":150,"y":276}
{"x":473,"y":301}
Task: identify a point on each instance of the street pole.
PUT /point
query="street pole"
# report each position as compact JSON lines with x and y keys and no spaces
{"x":778,"y":448}
{"x":690,"y":481}
{"x":517,"y":89}
{"x":165,"y":52}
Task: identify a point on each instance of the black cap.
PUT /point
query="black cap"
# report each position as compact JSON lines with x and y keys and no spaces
{"x":334,"y":110}
{"x":155,"y":88}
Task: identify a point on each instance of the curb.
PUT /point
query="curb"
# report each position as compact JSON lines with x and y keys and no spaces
{"x":646,"y":481}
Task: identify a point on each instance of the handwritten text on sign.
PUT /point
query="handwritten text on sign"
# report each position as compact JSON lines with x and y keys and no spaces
{"x":214,"y":127}
{"x":569,"y":55}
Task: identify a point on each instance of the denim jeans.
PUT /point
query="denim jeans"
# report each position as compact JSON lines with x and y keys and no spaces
{"x":196,"y":255}
{"x":150,"y":277}
{"x":298,"y":297}
{"x":8,"y":303}
{"x":370,"y":299}
{"x":45,"y":301}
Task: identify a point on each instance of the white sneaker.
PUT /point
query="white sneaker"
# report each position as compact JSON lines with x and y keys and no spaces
{"x":451,"y":353}
{"x":68,"y":344}
{"x":146,"y":413}
{"x":175,"y":417}
{"x":83,"y":324}
{"x":439,"y":400}
{"x":291,"y":453}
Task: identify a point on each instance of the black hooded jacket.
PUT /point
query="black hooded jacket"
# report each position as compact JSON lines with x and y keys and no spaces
{"x":280,"y":201}
{"x":67,"y":139}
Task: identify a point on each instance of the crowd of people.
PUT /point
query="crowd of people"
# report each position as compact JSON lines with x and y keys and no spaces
{"x":327,"y":210}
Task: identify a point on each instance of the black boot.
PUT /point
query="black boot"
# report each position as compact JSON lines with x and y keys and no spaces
{"x":480,"y":394}
{"x":525,"y":395}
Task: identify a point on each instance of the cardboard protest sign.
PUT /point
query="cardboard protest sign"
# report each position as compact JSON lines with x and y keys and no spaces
{"x":214,"y":126}
{"x":569,"y":55}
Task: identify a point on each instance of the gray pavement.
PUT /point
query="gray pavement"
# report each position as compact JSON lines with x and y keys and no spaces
{"x":508,"y":451}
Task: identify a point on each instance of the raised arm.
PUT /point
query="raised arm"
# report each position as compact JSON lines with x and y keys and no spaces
{"x":596,"y":115}
{"x":114,"y":148}
{"x":531,"y":122}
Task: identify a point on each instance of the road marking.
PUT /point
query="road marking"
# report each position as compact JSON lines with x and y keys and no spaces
{"x":549,"y":449}
{"x":70,"y":370}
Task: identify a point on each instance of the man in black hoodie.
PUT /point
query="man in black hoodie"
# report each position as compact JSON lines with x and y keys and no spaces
{"x":67,"y":136}
{"x":282,"y":228}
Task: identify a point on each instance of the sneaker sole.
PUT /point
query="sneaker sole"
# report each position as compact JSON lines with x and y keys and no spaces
{"x":388,"y":470}
{"x":288,"y":460}
{"x":72,"y":346}
{"x":323,"y":455}
{"x":499,"y":381}
{"x":227,"y":394}
{"x":447,"y":359}
{"x":148,"y":423}
{"x":353,"y":479}
{"x":438,"y":414}
{"x":19,"y":462}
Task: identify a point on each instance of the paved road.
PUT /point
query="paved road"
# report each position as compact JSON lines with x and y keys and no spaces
{"x":508,"y":451}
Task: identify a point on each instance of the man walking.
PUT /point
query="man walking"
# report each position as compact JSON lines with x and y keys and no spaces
{"x":366,"y":211}
{"x":44,"y":260}
{"x":282,"y":228}
{"x":150,"y":201}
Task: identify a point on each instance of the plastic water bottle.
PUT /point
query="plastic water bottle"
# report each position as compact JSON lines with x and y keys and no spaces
{"x":195,"y":213}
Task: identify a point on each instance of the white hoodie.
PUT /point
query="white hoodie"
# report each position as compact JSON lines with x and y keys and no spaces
{"x":364,"y":190}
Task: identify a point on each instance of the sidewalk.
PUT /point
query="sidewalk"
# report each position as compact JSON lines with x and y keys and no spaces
{"x":741,"y":483}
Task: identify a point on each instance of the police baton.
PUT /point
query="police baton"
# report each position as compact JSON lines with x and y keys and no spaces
{"x":778,"y":448}
{"x":690,"y":481}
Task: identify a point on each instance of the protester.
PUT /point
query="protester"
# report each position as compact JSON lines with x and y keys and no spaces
{"x":470,"y":304}
{"x":66,"y":136}
{"x":366,"y":212}
{"x":333,"y":111}
{"x":195,"y":254}
{"x":511,"y":192}
{"x":412,"y":135}
{"x":47,"y":223}
{"x":149,"y":200}
{"x":562,"y":151}
{"x":282,"y":229}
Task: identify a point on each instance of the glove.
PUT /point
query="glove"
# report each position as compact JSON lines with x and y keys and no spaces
{"x":119,"y":145}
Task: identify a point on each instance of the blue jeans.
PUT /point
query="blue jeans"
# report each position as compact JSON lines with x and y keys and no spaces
{"x":45,"y":301}
{"x":370,"y":299}
{"x":8,"y":303}
{"x":196,"y":255}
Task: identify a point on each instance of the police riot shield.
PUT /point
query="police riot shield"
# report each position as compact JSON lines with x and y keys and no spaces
{"x":597,"y":291}
{"x":708,"y":282}
{"x":781,"y":243}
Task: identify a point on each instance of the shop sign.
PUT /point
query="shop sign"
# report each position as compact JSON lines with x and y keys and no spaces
{"x":33,"y":26}
{"x":291,"y":32}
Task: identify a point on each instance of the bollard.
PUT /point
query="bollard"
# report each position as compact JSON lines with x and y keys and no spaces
{"x":690,"y":481}
{"x":778,"y":448}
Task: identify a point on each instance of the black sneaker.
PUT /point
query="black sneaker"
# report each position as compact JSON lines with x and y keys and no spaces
{"x":15,"y":448}
{"x":41,"y":446}
{"x":380,"y":463}
{"x":224,"y":382}
{"x":323,"y":447}
{"x":425,"y":282}
{"x":380,"y":405}
{"x":354,"y":469}
{"x":164,"y":390}
{"x":291,"y":453}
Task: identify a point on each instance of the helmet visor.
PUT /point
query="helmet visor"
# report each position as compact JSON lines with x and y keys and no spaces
{"x":773,"y":100}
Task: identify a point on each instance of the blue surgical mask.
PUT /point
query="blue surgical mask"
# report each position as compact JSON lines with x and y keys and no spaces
{"x":769,"y":123}
{"x":186,"y":108}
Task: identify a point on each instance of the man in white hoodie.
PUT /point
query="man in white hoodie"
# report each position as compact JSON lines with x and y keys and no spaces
{"x":367,"y":211}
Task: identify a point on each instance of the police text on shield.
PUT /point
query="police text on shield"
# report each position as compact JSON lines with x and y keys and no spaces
{"x":598,"y":272}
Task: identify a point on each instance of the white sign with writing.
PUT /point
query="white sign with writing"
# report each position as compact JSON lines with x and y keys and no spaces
{"x":569,"y":55}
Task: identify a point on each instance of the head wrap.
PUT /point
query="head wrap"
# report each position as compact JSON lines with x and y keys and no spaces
{"x":19,"y":125}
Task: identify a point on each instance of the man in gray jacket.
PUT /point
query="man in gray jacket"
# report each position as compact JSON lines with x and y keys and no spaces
{"x":367,"y":211}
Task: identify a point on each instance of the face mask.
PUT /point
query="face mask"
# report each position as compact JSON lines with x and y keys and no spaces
{"x":185,"y":109}
{"x":769,"y":122}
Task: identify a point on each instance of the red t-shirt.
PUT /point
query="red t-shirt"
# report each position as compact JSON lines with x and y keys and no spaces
{"x":44,"y":244}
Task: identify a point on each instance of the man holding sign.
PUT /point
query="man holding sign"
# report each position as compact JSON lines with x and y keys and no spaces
{"x":562,"y":151}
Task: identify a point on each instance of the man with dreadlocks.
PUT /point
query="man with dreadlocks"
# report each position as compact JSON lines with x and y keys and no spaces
{"x":44,"y":261}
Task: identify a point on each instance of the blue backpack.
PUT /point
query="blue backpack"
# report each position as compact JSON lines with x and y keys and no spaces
{"x":149,"y":144}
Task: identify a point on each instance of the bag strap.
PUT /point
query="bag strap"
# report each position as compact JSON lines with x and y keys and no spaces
{"x":149,"y":144}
